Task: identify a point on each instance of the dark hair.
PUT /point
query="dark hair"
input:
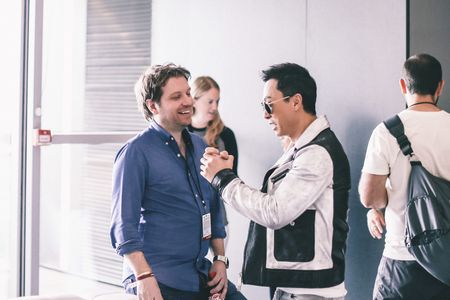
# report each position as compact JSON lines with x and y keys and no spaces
{"x":422,"y":74}
{"x":293,"y":79}
{"x":149,"y":85}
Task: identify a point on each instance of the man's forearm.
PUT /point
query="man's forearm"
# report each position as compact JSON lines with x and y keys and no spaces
{"x":137,"y":261}
{"x":217,"y":246}
{"x":146,"y":282}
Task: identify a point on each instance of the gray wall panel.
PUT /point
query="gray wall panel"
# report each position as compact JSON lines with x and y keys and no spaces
{"x":429,"y":33}
{"x":355,"y":51}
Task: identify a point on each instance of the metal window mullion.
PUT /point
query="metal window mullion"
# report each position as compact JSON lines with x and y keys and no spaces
{"x":22,"y":147}
{"x":34,"y":222}
{"x":30,"y":165}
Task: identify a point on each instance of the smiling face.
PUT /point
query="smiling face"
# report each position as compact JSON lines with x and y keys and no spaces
{"x":281,"y":117}
{"x":174,"y":111}
{"x":206,"y":107}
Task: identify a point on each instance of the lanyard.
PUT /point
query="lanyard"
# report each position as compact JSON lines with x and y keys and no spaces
{"x":194,"y":178}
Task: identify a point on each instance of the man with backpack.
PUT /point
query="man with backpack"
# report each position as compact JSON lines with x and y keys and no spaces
{"x":384,"y":180}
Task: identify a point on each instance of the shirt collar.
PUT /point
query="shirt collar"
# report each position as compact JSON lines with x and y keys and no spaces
{"x":166,"y":136}
{"x":161,"y":132}
{"x":192,"y":128}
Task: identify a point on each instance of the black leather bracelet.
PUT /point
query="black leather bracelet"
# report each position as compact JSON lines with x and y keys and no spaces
{"x":222,"y":178}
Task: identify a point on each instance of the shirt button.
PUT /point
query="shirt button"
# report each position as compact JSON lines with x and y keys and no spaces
{"x":167,"y":143}
{"x":196,"y":195}
{"x":178,"y":154}
{"x":171,"y":138}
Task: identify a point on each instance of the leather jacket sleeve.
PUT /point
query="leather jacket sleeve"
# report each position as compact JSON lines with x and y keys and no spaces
{"x":302,"y":187}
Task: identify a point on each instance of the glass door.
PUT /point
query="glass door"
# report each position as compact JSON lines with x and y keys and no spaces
{"x":92,"y":52}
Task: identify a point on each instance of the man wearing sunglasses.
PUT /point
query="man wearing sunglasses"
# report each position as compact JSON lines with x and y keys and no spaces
{"x":297,"y":237}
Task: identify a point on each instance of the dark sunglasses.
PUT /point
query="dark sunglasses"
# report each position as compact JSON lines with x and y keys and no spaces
{"x":267,"y":107}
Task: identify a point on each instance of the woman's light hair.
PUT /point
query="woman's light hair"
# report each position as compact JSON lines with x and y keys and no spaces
{"x":199,"y":87}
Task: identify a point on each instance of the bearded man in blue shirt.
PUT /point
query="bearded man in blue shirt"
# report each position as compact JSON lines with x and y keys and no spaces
{"x":165,"y":216}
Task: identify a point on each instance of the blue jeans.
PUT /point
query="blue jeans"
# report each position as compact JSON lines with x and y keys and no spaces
{"x":169,"y":293}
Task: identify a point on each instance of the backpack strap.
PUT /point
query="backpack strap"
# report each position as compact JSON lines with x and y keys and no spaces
{"x":396,"y":128}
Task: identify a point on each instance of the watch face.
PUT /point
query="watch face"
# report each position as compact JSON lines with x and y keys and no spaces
{"x":223,"y":259}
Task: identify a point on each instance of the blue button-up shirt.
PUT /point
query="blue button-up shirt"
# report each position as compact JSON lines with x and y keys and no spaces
{"x":158,"y":201}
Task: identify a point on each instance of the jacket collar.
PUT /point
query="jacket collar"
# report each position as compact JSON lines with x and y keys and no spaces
{"x":312,"y":131}
{"x":316,"y":127}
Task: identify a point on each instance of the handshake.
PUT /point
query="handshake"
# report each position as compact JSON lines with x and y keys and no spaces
{"x":214,"y":161}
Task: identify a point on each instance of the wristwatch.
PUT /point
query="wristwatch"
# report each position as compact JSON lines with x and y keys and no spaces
{"x":223,"y":259}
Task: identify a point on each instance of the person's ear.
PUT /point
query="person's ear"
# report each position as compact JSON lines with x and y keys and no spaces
{"x":297,"y":101}
{"x":152,"y":106}
{"x":403,"y":87}
{"x":439,"y":89}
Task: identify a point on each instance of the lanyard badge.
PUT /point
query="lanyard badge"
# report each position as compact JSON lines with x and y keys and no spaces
{"x":206,"y":225}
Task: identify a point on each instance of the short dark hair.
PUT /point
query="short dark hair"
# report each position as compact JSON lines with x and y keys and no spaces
{"x":150,"y":83}
{"x":422,"y":74}
{"x":293,"y":79}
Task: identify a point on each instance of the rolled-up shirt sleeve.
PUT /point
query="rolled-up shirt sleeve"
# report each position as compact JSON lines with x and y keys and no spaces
{"x":217,"y":226}
{"x":128,"y":188}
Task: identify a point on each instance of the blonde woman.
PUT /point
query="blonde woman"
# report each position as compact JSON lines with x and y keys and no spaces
{"x":207,"y":123}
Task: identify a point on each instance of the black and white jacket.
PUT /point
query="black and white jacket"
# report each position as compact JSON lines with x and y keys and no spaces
{"x":299,"y":218}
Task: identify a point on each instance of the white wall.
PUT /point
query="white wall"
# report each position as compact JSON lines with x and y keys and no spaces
{"x":354,"y":49}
